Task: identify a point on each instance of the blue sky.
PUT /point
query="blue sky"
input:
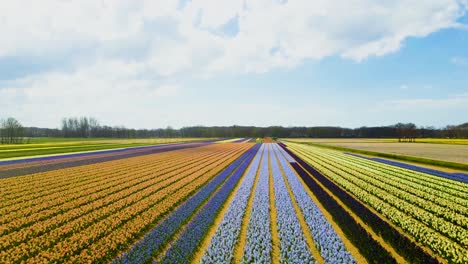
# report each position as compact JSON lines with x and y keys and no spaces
{"x":148,"y":64}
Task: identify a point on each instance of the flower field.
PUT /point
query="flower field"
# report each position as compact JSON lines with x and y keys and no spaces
{"x":235,"y":202}
{"x":430,"y":210}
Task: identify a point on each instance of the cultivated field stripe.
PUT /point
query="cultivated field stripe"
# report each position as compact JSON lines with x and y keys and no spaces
{"x":129,"y":217}
{"x":320,"y":210}
{"x":383,"y":210}
{"x":182,"y":249}
{"x":258,"y":245}
{"x":440,"y":225}
{"x":275,"y":238}
{"x":241,"y":242}
{"x":361,"y":231}
{"x":220,"y":242}
{"x":95,"y":202}
{"x":294,"y":245}
{"x":105,"y":182}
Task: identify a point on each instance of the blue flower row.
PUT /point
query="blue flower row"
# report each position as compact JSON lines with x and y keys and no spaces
{"x":258,"y":241}
{"x":181,"y":250}
{"x":155,"y":239}
{"x":293,"y":245}
{"x":329,"y":244}
{"x":221,"y":247}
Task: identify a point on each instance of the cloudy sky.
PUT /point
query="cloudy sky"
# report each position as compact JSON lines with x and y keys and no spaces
{"x":155,"y":63}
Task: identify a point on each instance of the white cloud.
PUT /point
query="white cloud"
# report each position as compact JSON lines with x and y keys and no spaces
{"x":122,"y":56}
{"x":110,"y":89}
{"x":172,"y":40}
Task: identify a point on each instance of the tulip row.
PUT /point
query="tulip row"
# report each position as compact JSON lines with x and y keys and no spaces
{"x":75,"y":235}
{"x":223,"y":242}
{"x":181,"y":250}
{"x":329,"y":244}
{"x":420,"y":224}
{"x":293,"y":245}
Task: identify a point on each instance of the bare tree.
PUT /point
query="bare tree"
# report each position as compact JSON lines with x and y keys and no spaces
{"x":11,"y":130}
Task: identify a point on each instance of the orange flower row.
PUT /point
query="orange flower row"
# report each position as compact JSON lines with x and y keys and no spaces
{"x":128,"y":195}
{"x":82,"y":194}
{"x":162,"y":201}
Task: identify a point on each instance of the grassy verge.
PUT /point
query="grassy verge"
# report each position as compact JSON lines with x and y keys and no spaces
{"x":447,"y":164}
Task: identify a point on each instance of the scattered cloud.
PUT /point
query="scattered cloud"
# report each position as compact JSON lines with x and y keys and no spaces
{"x":459,"y":101}
{"x":460,"y":61}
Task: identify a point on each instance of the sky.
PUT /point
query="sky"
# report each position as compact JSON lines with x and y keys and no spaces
{"x":159,"y":63}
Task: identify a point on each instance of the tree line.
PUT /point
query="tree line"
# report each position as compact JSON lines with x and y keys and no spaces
{"x":11,"y":131}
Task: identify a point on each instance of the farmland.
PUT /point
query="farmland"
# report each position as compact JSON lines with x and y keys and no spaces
{"x":48,"y":146}
{"x":229,"y":202}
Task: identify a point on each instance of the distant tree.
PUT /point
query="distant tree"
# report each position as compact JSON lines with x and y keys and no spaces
{"x":11,"y":131}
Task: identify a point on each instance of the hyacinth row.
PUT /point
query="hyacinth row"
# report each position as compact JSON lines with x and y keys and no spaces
{"x":259,"y":241}
{"x":293,"y":245}
{"x":116,"y":214}
{"x":182,"y":249}
{"x":327,"y":241}
{"x":64,"y":208}
{"x":221,"y":247}
{"x":364,"y":180}
{"x":143,"y":250}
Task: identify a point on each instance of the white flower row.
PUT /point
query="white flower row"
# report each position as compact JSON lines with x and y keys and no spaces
{"x":329,"y":244}
{"x":221,"y":247}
